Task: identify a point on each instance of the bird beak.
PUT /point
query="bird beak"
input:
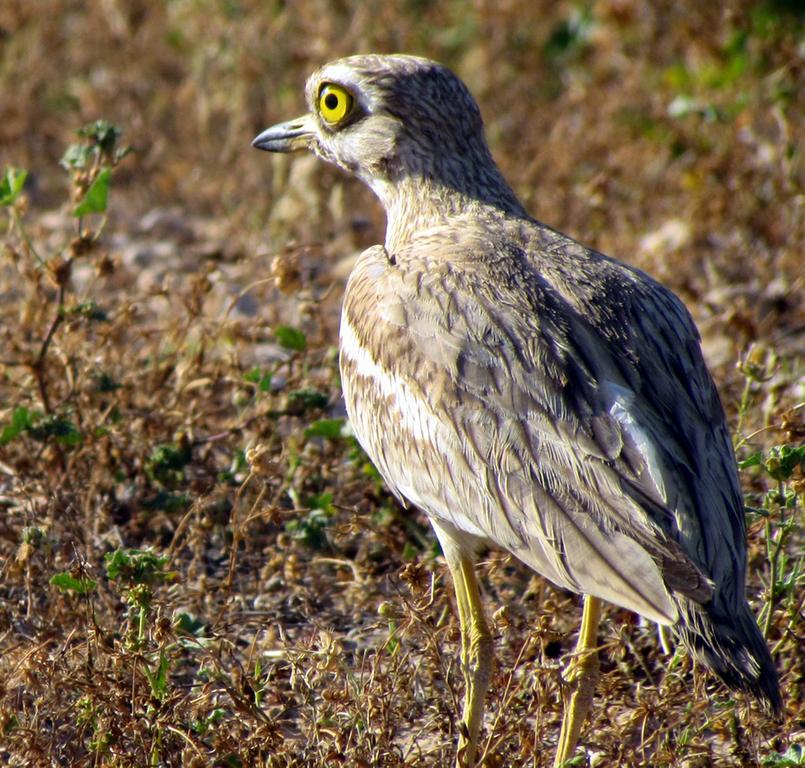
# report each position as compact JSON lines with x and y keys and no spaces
{"x":286,"y":137}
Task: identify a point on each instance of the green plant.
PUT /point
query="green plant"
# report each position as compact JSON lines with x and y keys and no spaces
{"x":66,"y":582}
{"x":793,"y":756}
{"x":90,"y":163}
{"x":137,"y":572}
{"x":780,"y":509}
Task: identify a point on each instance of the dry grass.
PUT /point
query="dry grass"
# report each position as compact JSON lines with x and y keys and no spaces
{"x":168,"y":381}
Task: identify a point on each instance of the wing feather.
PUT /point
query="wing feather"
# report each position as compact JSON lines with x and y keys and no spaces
{"x":586,"y":420}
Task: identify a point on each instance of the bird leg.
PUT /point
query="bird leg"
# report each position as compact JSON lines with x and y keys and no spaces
{"x":476,"y":650}
{"x":580,"y":679}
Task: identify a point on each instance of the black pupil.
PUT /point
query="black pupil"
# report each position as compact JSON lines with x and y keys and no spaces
{"x":331,"y":101}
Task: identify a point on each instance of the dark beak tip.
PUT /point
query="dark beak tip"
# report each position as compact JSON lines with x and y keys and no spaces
{"x":263,"y":141}
{"x":282,"y":137}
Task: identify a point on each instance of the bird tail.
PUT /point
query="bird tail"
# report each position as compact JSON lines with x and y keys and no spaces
{"x":731,"y":645}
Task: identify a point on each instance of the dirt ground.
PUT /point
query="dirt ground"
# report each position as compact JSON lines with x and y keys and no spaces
{"x":198,"y":564}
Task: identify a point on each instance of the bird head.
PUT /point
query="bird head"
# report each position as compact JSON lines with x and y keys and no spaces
{"x":391,"y":120}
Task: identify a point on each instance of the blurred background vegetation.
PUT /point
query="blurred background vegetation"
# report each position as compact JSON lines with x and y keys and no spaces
{"x":199,"y":566}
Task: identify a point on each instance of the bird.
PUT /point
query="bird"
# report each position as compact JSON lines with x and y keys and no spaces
{"x":527,"y":392}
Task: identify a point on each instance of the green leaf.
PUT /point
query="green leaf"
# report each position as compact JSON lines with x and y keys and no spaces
{"x":105,"y":384}
{"x":794,"y":756}
{"x":53,"y":426}
{"x":190,"y":624}
{"x":237,"y":465}
{"x":167,"y":461}
{"x":32,"y":535}
{"x":21,"y":419}
{"x":259,"y":377}
{"x":409,"y":552}
{"x":570,"y":36}
{"x":76,"y":157}
{"x":291,"y":338}
{"x":96,"y":196}
{"x":327,"y":428}
{"x":101,"y":133}
{"x":158,"y":680}
{"x":311,"y":529}
{"x":137,"y":566}
{"x":99,"y":145}
{"x":68,"y":583}
{"x":169,"y":502}
{"x":201,"y":727}
{"x":308,"y":398}
{"x":782,"y":460}
{"x":90,"y":311}
{"x":751,"y":461}
{"x":322,"y":501}
{"x":11,"y":185}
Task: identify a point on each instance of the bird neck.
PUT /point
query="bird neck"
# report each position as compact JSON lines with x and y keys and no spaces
{"x":416,"y":203}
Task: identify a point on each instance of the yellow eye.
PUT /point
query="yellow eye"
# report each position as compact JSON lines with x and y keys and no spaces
{"x":335,"y":103}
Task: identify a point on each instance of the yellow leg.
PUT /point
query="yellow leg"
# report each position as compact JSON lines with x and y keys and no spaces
{"x":476,"y":647}
{"x":580,"y":677}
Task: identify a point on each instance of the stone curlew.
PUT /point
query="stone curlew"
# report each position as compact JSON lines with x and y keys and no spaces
{"x":526,"y":391}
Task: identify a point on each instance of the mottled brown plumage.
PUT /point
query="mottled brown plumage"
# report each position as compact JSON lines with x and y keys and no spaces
{"x":522,"y":389}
